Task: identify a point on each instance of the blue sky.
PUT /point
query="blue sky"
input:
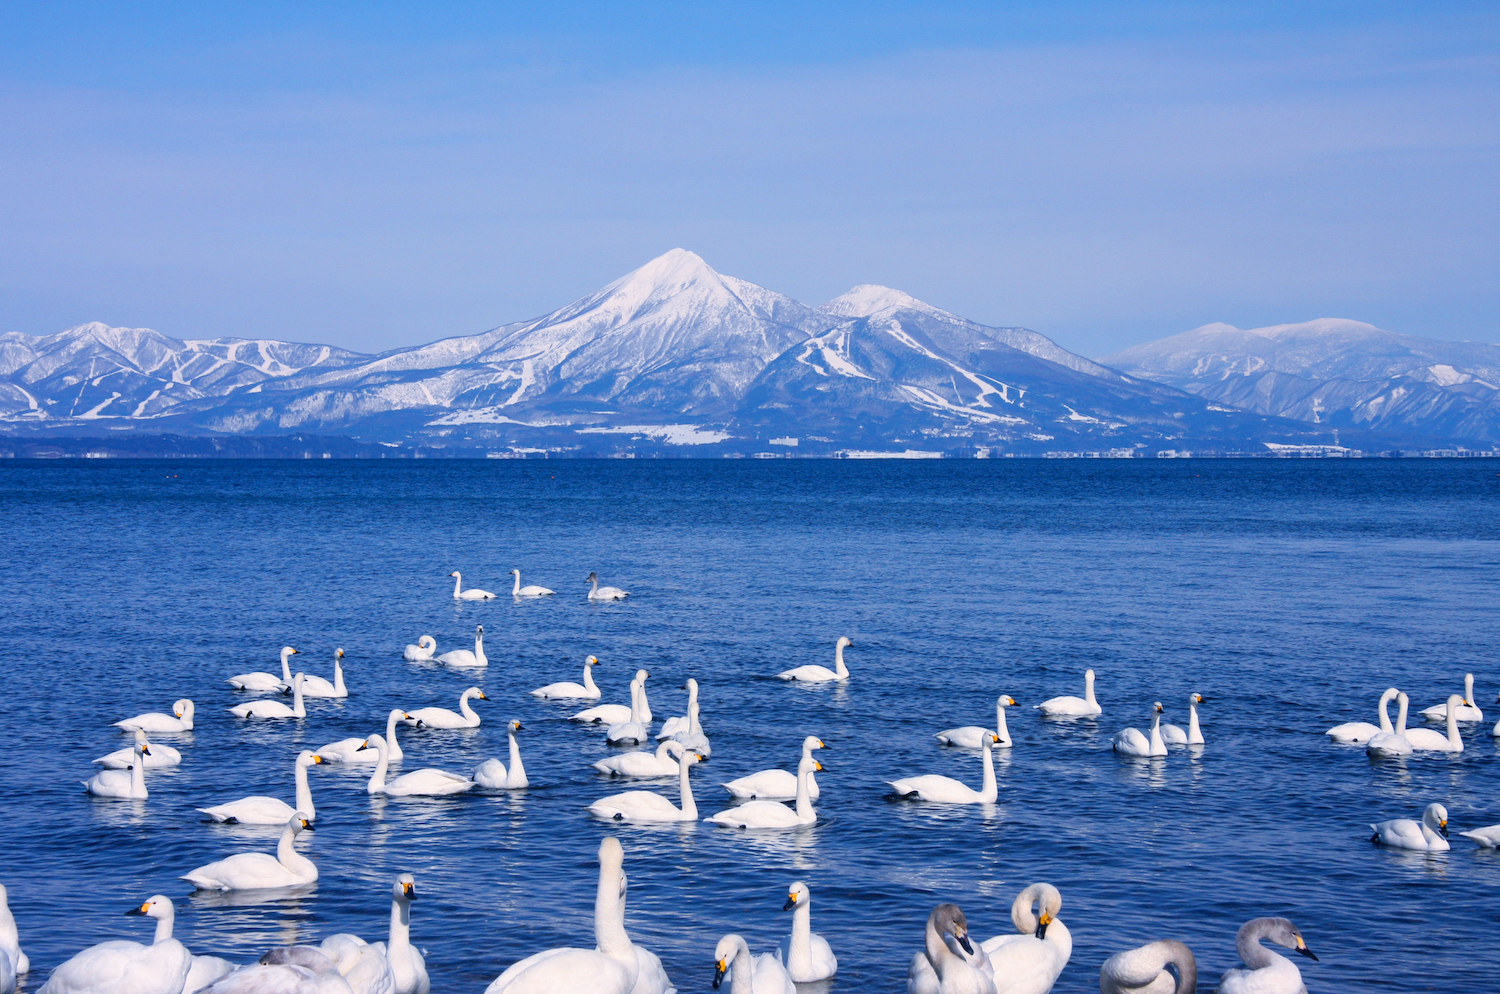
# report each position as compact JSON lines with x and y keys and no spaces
{"x":372,"y":175}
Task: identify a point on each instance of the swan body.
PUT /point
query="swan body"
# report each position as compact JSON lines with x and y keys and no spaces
{"x":1467,"y":709}
{"x":1489,"y":837}
{"x":1428,"y":835}
{"x":763,"y":974}
{"x":464,"y":717}
{"x":1427,"y":740}
{"x":972,"y":736}
{"x":10,"y":938}
{"x":774,"y":814}
{"x":275,"y":710}
{"x":357,"y":750}
{"x":637,"y":729}
{"x":1030,"y":960}
{"x":937,"y":969}
{"x":1392,"y":743}
{"x":180,"y":720}
{"x":806,"y":954}
{"x":946,"y":790}
{"x":777,"y":785}
{"x":642,"y":765}
{"x":585,"y":691}
{"x":263,"y":682}
{"x":529,"y":591}
{"x":604,"y":714}
{"x":1190,"y":736}
{"x":1360,"y":732}
{"x":821,"y":674}
{"x":408,"y":966}
{"x":128,"y":784}
{"x":648,"y":806}
{"x":156,"y":756}
{"x":598,"y":593}
{"x":256,"y":871}
{"x":467,"y":658}
{"x":258,"y":810}
{"x":1134,"y":742}
{"x":1147,"y":970}
{"x":316,"y":686}
{"x":1266,"y":972}
{"x":362,"y":965}
{"x":1074,"y":706}
{"x":493,"y":774}
{"x":276,"y":975}
{"x":472,"y":594}
{"x":422,"y":651}
{"x":427,"y":782}
{"x":204,"y":970}
{"x":124,"y":967}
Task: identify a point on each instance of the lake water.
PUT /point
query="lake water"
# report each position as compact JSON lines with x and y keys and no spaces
{"x":1290,"y":593}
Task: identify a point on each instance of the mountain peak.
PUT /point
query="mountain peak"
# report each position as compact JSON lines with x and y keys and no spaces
{"x":871,"y":298}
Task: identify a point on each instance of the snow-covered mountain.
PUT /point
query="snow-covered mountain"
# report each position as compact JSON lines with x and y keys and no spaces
{"x":1334,"y":372}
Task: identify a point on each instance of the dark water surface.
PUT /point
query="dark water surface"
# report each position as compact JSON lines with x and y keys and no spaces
{"x":1291,"y":593}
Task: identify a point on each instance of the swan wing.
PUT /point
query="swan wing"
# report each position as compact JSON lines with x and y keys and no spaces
{"x":243,"y":871}
{"x":809,"y":674}
{"x":933,"y":787}
{"x":641,"y":765}
{"x":1353,"y":732}
{"x":564,"y":970}
{"x":255,"y":681}
{"x":256,"y":810}
{"x":1132,"y":742}
{"x":757,"y":814}
{"x":1427,"y":740}
{"x":770,"y":785}
{"x":123,"y":967}
{"x":565,"y":689}
{"x":604,"y":714}
{"x":428,"y":781}
{"x":635,"y":805}
{"x":967,"y":737}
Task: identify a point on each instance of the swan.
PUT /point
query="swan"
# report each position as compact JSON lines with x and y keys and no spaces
{"x":285,"y":970}
{"x":10,"y":938}
{"x":587,"y":690}
{"x":692,"y":734}
{"x":821,"y":674}
{"x":1191,"y":736}
{"x":1266,"y":972}
{"x":124,"y":967}
{"x":946,"y":790}
{"x":356,"y":750}
{"x":1029,"y":960}
{"x":180,"y":720}
{"x":157,"y":757}
{"x":1146,"y":970}
{"x":598,"y":593}
{"x":642,"y":765}
{"x":256,"y":870}
{"x":613,"y":714}
{"x":464,"y":717}
{"x":465,"y":657}
{"x":1426,"y":740}
{"x":761,"y":974}
{"x":651,"y":977}
{"x":265,"y":682}
{"x":610,"y":968}
{"x":940,"y":970}
{"x":1489,"y":838}
{"x":1074,"y":706}
{"x":777,"y":785}
{"x":275,"y":709}
{"x":972,"y":736}
{"x":428,"y":782}
{"x":128,"y":784}
{"x":260,"y":810}
{"x":1134,"y":742}
{"x":204,"y":970}
{"x":638,"y":728}
{"x":646,"y":806}
{"x":316,"y":686}
{"x":422,"y":651}
{"x":530,"y":591}
{"x":1359,"y":732}
{"x":408,"y":966}
{"x":682,"y":723}
{"x":362,"y":965}
{"x":1393,"y":743}
{"x":492,"y":773}
{"x":1467,"y":709}
{"x":1428,"y":835}
{"x":472,"y":594}
{"x":774,"y":814}
{"x":806,"y":954}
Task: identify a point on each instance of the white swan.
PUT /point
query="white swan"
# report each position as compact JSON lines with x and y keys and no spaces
{"x":691,"y":734}
{"x":124,"y":967}
{"x":275,"y":710}
{"x":204,"y":970}
{"x":256,"y":870}
{"x":774,"y":814}
{"x":357,"y":751}
{"x":683,"y":722}
{"x":1489,"y":837}
{"x":647,"y":806}
{"x":1150,"y":969}
{"x":1134,"y":742}
{"x":157,"y":756}
{"x":1467,"y":709}
{"x":472,"y":594}
{"x":261,"y":810}
{"x":1190,"y":736}
{"x":428,"y":782}
{"x":1360,"y":732}
{"x":408,"y":966}
{"x":316,"y":686}
{"x":938,"y":969}
{"x":493,"y":774}
{"x":263,"y":682}
{"x":972,"y":736}
{"x":586,"y":691}
{"x":761,"y":974}
{"x":362,"y":965}
{"x":777,"y":785}
{"x":1427,"y":740}
{"x":598,"y":593}
{"x":180,"y":720}
{"x":529,"y":591}
{"x":467,"y":657}
{"x":651,"y":977}
{"x":1428,"y":835}
{"x":638,"y":728}
{"x":128,"y":784}
{"x":10,"y":938}
{"x":806,"y":954}
{"x":1029,"y":960}
{"x":1074,"y":706}
{"x":821,"y":674}
{"x":946,"y":790}
{"x":612,"y":714}
{"x":464,"y":717}
{"x":1266,"y":972}
{"x":642,"y":765}
{"x":1393,"y":743}
{"x":422,"y":651}
{"x":285,"y":970}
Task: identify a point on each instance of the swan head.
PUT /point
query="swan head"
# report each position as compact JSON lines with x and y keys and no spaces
{"x":1435,"y":817}
{"x":306,"y":758}
{"x":405,"y":888}
{"x":641,"y":675}
{"x":1282,"y":932}
{"x":844,"y":642}
{"x":454,"y":573}
{"x":515,"y":724}
{"x":949,"y":919}
{"x":1197,"y":698}
{"x":796,"y":894}
{"x":375,"y":742}
{"x":300,"y":823}
{"x":591,"y":661}
{"x":476,"y":692}
{"x":287,"y":651}
{"x":724,"y":954}
{"x":183,"y":708}
{"x":1158,"y":708}
{"x":1007,"y":701}
{"x":813,"y":742}
{"x":155,"y":906}
{"x":338,"y":654}
{"x":591,"y":578}
{"x":611,"y":854}
{"x":142,"y":748}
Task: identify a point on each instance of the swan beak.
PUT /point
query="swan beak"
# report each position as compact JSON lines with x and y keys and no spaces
{"x":483,"y":696}
{"x":817,"y":766}
{"x":823,"y":745}
{"x":139,"y":911}
{"x":307,"y":826}
{"x":1042,"y":923}
{"x":411,"y":892}
{"x":720,"y":968}
{"x":317,"y":758}
{"x":1302,"y":948}
{"x":146,"y":751}
{"x":1443,"y":826}
{"x":296,"y":652}
{"x":791,"y":902}
{"x":963,"y":940}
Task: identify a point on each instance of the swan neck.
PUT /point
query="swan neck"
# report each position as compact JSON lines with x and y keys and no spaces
{"x":1401,"y":716}
{"x":684,"y":785}
{"x":516,"y":770}
{"x":989,"y":791}
{"x":297,"y":707}
{"x":469,"y":713}
{"x":1000,"y":723}
{"x":289,"y":857}
{"x":458,"y":583}
{"x":164,"y":926}
{"x":609,"y":916}
{"x":838,"y":662}
{"x":338,"y":676}
{"x":286,"y":669}
{"x":804,"y":791}
{"x":1385,"y":713}
{"x":400,"y":925}
{"x":377,"y":778}
{"x":304,"y":792}
{"x":743,"y":981}
{"x":1252,"y":953}
{"x":588,"y":680}
{"x":516,"y":590}
{"x":801,"y":944}
{"x":1469,"y":689}
{"x":637,"y":707}
{"x":1453,"y":736}
{"x":1195,"y":734}
{"x":138,"y":776}
{"x":393,"y":749}
{"x":1088,"y":689}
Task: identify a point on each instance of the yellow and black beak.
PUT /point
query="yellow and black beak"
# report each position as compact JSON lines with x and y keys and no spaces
{"x":411,"y":891}
{"x":720,"y":968}
{"x":145,"y":750}
{"x":307,"y":825}
{"x":139,"y":911}
{"x":817,"y":766}
{"x":317,"y":758}
{"x":1302,"y":948}
{"x":963,"y":940}
{"x":1443,"y":827}
{"x":791,"y":902}
{"x":1041,"y":925}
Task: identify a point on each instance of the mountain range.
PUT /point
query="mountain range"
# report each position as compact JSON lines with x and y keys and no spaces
{"x":676,"y":357}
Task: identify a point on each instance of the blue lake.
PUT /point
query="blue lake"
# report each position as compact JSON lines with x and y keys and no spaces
{"x":1289,"y":593}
